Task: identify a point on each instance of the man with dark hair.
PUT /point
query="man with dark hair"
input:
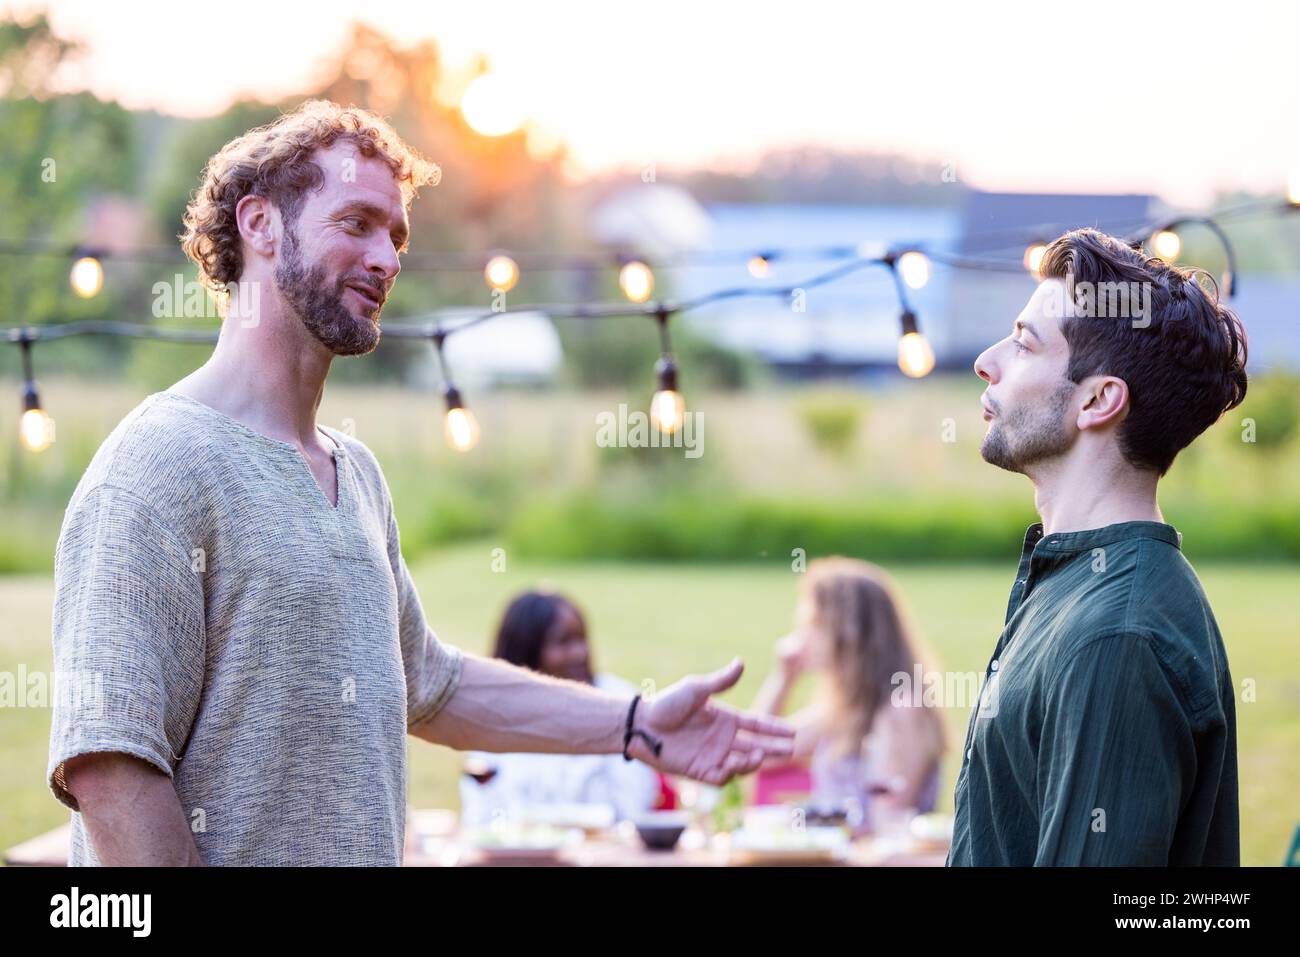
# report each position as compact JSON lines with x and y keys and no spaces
{"x":1106,"y":728}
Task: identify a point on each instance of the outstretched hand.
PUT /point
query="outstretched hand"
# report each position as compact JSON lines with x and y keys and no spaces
{"x":706,"y":740}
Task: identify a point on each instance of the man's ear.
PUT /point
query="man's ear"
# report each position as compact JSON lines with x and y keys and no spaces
{"x":258,"y":224}
{"x":1105,"y":402}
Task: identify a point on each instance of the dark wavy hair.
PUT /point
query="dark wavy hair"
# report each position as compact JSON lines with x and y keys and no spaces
{"x":1183,"y":371}
{"x":527,"y":619}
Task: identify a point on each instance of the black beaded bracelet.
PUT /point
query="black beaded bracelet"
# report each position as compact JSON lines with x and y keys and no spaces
{"x":655,"y":745}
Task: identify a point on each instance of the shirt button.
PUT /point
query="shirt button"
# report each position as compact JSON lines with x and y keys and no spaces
{"x":969,"y":752}
{"x":993,"y":665}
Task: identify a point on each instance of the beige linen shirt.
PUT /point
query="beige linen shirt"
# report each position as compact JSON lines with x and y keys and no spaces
{"x":264,"y":649}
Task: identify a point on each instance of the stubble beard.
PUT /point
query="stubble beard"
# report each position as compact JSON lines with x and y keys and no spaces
{"x":1030,"y":433}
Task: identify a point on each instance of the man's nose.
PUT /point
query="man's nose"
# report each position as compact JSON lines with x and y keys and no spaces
{"x":984,"y":366}
{"x":383,"y":262}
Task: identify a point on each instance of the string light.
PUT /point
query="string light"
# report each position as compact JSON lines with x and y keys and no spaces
{"x":667,"y":406}
{"x":915,"y":357}
{"x":759,"y":266}
{"x":501,"y":273}
{"x":1034,"y":258}
{"x":459,"y":425}
{"x":461,"y":428}
{"x":87,"y":277}
{"x":471,"y":261}
{"x":914,"y":267}
{"x":35,"y":427}
{"x":1167,"y":244}
{"x":1293,"y":188}
{"x":636,"y":280}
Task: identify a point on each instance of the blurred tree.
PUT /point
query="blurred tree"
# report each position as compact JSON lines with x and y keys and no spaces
{"x":29,"y":55}
{"x":60,"y":155}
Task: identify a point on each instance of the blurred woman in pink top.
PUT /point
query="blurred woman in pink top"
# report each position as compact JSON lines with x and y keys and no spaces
{"x":873,"y":751}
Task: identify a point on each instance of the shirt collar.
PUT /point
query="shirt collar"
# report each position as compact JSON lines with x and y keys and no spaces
{"x":1071,"y":543}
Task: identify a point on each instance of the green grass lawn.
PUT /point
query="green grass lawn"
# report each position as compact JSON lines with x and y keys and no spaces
{"x":660,"y":621}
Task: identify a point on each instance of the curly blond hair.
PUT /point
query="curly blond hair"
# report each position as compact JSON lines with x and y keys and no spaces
{"x":275,"y":161}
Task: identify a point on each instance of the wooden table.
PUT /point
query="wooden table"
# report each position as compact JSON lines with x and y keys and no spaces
{"x":432,"y":841}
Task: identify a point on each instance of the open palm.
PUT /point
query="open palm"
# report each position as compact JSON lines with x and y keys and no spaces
{"x":706,"y":740}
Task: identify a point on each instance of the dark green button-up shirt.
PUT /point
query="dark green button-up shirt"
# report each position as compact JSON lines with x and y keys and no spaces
{"x":1106,"y":730}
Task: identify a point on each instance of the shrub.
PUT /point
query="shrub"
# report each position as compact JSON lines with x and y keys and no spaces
{"x":832,"y":420}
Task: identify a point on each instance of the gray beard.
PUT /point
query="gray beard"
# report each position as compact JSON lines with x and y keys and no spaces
{"x":321,"y":310}
{"x":1030,"y":434}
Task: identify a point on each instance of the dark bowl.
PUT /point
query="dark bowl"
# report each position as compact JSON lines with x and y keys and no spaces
{"x":660,"y":833}
{"x":661,"y":838}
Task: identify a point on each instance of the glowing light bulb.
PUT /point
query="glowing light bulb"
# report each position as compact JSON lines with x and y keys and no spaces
{"x":759,"y":267}
{"x":501,"y":273}
{"x":462,"y":429}
{"x":668,"y":410}
{"x":636,"y":280}
{"x":1034,"y":257}
{"x":36,"y":430}
{"x":915,"y":357}
{"x":87,"y":277}
{"x":667,"y":407}
{"x":460,"y":426}
{"x":491,"y":106}
{"x":914,"y":268}
{"x":1167,"y":244}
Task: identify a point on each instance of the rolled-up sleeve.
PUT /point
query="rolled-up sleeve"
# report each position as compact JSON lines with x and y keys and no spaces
{"x":1116,"y":757}
{"x":432,"y":667}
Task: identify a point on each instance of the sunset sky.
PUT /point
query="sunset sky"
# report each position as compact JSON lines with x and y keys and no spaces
{"x":1035,"y":96}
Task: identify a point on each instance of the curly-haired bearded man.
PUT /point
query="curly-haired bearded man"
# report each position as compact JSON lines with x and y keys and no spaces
{"x":233,"y":572}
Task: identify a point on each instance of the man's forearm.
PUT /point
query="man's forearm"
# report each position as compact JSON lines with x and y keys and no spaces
{"x":500,"y":707}
{"x":131,"y":812}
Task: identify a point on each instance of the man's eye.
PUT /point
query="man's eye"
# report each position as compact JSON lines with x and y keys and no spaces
{"x":355,"y":222}
{"x":1020,"y":346}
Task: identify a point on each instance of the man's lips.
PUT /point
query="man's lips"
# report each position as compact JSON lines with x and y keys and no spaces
{"x":366,"y":293}
{"x":988,"y":413}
